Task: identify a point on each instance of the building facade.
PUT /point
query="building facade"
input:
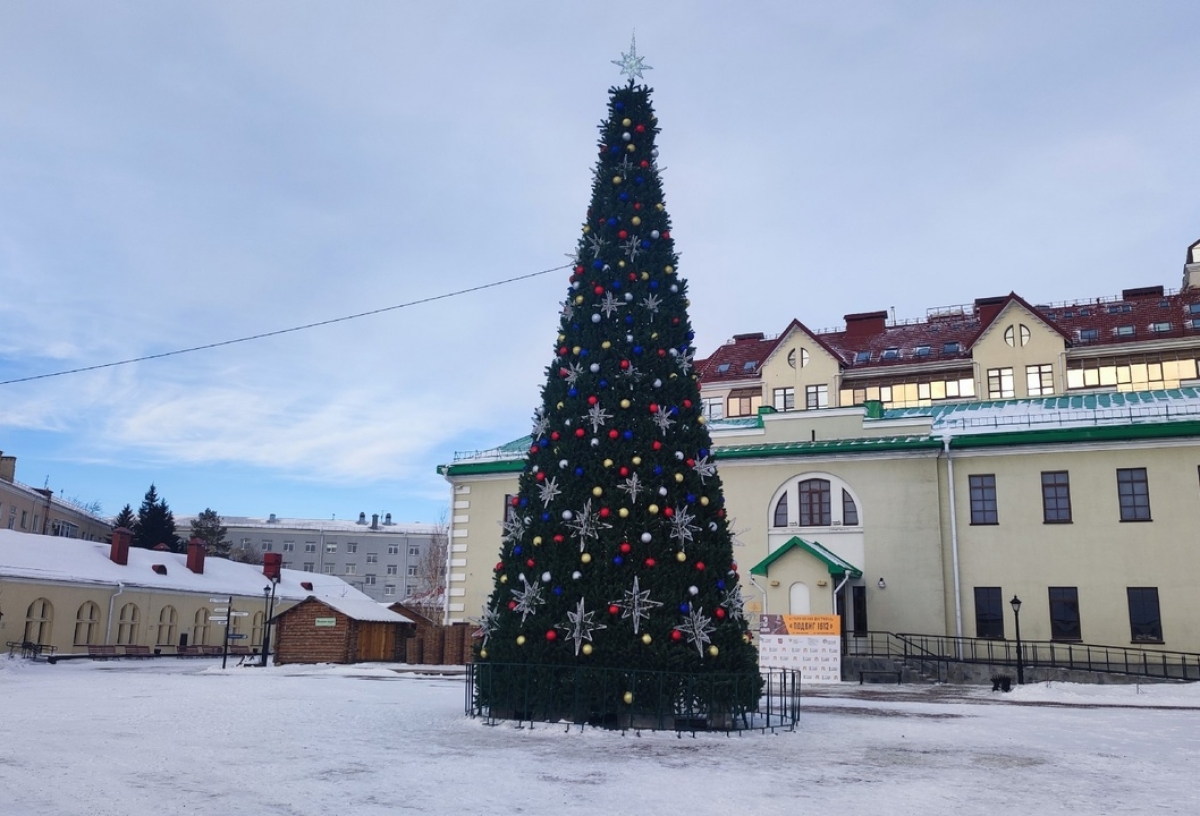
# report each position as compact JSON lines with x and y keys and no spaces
{"x":386,"y":561}
{"x":37,"y":510}
{"x":915,"y":476}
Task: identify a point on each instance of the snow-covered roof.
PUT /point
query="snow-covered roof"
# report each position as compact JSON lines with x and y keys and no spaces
{"x":67,"y":560}
{"x":365,"y":610}
{"x":346,"y":526}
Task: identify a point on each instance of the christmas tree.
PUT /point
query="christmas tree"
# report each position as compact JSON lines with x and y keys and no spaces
{"x":616,"y":551}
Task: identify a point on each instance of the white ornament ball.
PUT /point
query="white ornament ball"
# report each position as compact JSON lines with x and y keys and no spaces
{"x":576,"y":575}
{"x":562,"y":463}
{"x":679,"y":455}
{"x":629,"y":338}
{"x":654,"y":233}
{"x":693,"y":590}
{"x":575,"y":285}
{"x":594,"y":368}
{"x":658,"y":383}
{"x":673,"y":352}
{"x":647,"y":538}
{"x":534,"y":469}
{"x":521,"y":577}
{"x":626,"y":136}
{"x":662,"y":491}
{"x":628,"y":297}
{"x":546,"y":577}
{"x":595,"y":318}
{"x":566,"y":514}
{"x":595,"y":442}
{"x":674,"y":287}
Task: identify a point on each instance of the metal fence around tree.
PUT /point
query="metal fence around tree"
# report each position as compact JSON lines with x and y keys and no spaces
{"x":628,"y":699}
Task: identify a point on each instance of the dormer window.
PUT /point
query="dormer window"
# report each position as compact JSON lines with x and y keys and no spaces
{"x":1124,"y":331}
{"x":1194,"y":309}
{"x":951,"y":348}
{"x":750,"y":365}
{"x":890,"y":354}
{"x":921,"y":351}
{"x":1087,"y":335}
{"x":862,"y":357}
{"x":722,"y":368}
{"x":1159,"y":328}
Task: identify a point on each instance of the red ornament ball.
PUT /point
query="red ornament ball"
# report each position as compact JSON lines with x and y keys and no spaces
{"x":558,"y":539}
{"x":580,"y":432}
{"x":668,"y":512}
{"x":720,"y":612}
{"x":599,"y":290}
{"x":657,"y":445}
{"x":499,"y":566}
{"x":605,"y":512}
{"x":666,"y":234}
{"x":554,"y":435}
{"x":654,"y":407}
{"x":614,"y":610}
{"x":650,"y":562}
{"x":551,"y":634}
{"x":514,"y":501}
{"x":622,"y":234}
{"x":676,"y":635}
{"x":614,"y":433}
{"x":687,"y":403}
{"x":533,"y":449}
{"x":592,"y":400}
{"x":625,"y":548}
{"x":512,"y":605}
{"x":700,"y":566}
{"x":640,"y":128}
{"x":645,"y":164}
{"x":529,"y":562}
{"x":541,"y":477}
{"x":662,"y":352}
{"x":624,"y":471}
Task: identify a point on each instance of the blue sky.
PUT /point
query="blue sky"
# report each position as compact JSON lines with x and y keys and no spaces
{"x":174,"y":175}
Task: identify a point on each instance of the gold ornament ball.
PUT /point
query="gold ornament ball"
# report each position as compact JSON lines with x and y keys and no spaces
{"x":636,"y":220}
{"x":597,"y":491}
{"x":623,"y":512}
{"x":713,"y":651}
{"x":669,"y":269}
{"x":631,"y":147}
{"x":681,"y":557}
{"x":637,"y":460}
{"x":520,"y":640}
{"x":625,"y":403}
{"x":560,"y":405}
{"x":645,"y":276}
{"x":628,"y":698}
{"x":586,"y":558}
{"x":537,"y":541}
{"x":621,"y":264}
{"x":704,"y":501}
{"x":576,"y":350}
{"x":607,"y":463}
{"x":653,"y":509}
{"x":654,"y":335}
{"x":702,"y":420}
{"x":605,"y":344}
{"x":647,"y":639}
{"x":578,"y":300}
{"x":626,"y":122}
{"x":616,"y":179}
{"x":586,"y":229}
{"x":504,"y":579}
{"x":679,"y":477}
{"x":659,"y":207}
{"x":562,"y":337}
{"x":483,"y":654}
{"x":587,"y":649}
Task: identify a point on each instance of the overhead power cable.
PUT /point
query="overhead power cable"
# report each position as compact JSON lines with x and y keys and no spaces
{"x":278,"y":332}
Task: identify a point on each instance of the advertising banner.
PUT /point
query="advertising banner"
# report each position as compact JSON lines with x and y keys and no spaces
{"x":810,"y":643}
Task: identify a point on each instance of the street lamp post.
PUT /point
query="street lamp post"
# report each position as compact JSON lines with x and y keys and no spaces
{"x":1016,"y":608}
{"x":269,"y":603}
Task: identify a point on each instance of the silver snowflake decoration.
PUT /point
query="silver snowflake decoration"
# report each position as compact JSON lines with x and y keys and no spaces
{"x":540,"y":424}
{"x":568,"y":309}
{"x":528,"y":598}
{"x":573,"y":372}
{"x":636,"y":605}
{"x":610,"y":304}
{"x":652,"y":303}
{"x":633,"y":486}
{"x":587,"y":524}
{"x":632,"y":248}
{"x":685,"y":361}
{"x":625,"y":166}
{"x":682,"y":527}
{"x":514,"y":528}
{"x":734,"y":601}
{"x":631,"y":373}
{"x":630,"y":63}
{"x":704,"y":468}
{"x":580,"y":625}
{"x":662,"y":418}
{"x":597,"y":417}
{"x":489,"y":622}
{"x":548,"y":491}
{"x":597,"y":244}
{"x":574,"y":256}
{"x":697,"y":628}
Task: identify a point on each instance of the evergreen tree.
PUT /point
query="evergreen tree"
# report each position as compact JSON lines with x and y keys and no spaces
{"x":616,"y":551}
{"x":125,"y":518}
{"x":155,"y":523}
{"x":208,"y":528}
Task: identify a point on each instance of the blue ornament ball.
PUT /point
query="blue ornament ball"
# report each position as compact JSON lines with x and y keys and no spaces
{"x":618,"y":560}
{"x":684,"y":607}
{"x":573,"y":392}
{"x":578,"y":471}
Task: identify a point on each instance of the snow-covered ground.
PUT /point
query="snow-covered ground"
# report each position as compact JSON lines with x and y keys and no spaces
{"x":150,"y":738}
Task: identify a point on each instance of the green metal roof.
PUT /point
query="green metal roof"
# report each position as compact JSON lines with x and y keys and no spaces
{"x":1101,"y":401}
{"x":837,"y":565}
{"x":858,"y":445}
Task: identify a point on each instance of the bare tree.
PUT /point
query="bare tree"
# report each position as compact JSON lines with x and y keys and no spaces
{"x":430,"y":594}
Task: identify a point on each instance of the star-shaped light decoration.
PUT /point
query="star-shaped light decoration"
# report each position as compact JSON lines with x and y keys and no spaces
{"x":734,"y":601}
{"x":610,"y":304}
{"x":489,"y":622}
{"x":662,"y":418}
{"x":574,"y":256}
{"x":587,"y":524}
{"x":704,"y":468}
{"x":597,"y":416}
{"x":685,"y":361}
{"x":697,"y":627}
{"x":528,"y":598}
{"x":636,"y":605}
{"x":597,"y":244}
{"x":651,"y":304}
{"x":514,"y":528}
{"x":568,"y":309}
{"x":632,"y":247}
{"x":630,"y":63}
{"x":540,"y":424}
{"x":633,"y":486}
{"x":625,"y":166}
{"x":574,"y":370}
{"x":682,"y":527}
{"x":580,"y":625}
{"x":548,"y":491}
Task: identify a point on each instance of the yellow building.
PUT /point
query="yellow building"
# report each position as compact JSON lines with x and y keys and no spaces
{"x":915,"y":476}
{"x":38,"y":510}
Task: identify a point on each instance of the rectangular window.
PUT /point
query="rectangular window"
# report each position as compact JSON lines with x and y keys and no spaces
{"x":989,"y":613}
{"x":1133,"y":494}
{"x":267,"y":545}
{"x":372,"y":558}
{"x":1056,"y":497}
{"x":289,"y":546}
{"x":1160,"y":328}
{"x":814,"y":503}
{"x":412,"y":571}
{"x":392,"y":569}
{"x":744,"y":402}
{"x":1064,"y":614}
{"x":1145,"y":621}
{"x":1000,"y":383}
{"x":1124,"y":331}
{"x":983,"y":499}
{"x":816,"y":396}
{"x":393,"y":549}
{"x":24,"y":519}
{"x":413,"y":552}
{"x":310,"y":546}
{"x":858,"y":603}
{"x":328,"y":569}
{"x":1087,"y":335}
{"x":713,"y":407}
{"x":862,"y":357}
{"x":890,"y":354}
{"x":951,"y":348}
{"x":308,"y":566}
{"x":1039,"y":380}
{"x":785,"y":399}
{"x":331,"y":547}
{"x":350,"y":569}
{"x":351,"y":547}
{"x":389,"y":589}
{"x":369,"y":579}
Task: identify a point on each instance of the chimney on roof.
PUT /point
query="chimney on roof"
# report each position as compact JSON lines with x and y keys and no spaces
{"x":1143,"y":292}
{"x":195,"y":555}
{"x":8,"y":468}
{"x":271,"y":519}
{"x":374,"y":521}
{"x":1191,"y":269}
{"x":119,"y":554}
{"x":749,"y":337}
{"x":988,"y":308}
{"x":272,"y":564}
{"x":866,"y":324}
{"x":387,"y":520}
{"x":362,"y":518}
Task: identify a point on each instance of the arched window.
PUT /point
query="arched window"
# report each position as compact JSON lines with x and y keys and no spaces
{"x":256,"y":631}
{"x":849,"y":509}
{"x":87,"y":624}
{"x":781,"y":511}
{"x":168,"y":625}
{"x":814,"y":503}
{"x":127,"y":626}
{"x":200,"y":627}
{"x":39,"y":619}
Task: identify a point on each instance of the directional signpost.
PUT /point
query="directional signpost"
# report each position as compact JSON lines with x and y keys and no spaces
{"x":228,"y":608}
